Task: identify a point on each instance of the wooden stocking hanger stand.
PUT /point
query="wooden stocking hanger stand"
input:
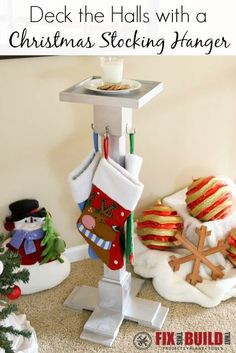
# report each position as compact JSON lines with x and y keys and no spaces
{"x":115,"y":298}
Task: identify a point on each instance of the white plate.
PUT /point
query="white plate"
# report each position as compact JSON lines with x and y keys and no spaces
{"x":95,"y":83}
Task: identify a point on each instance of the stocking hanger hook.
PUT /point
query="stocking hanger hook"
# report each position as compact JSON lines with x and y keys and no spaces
{"x":130,"y":131}
{"x":107,"y":130}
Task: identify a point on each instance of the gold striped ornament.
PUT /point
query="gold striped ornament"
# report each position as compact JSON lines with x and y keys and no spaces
{"x":157,"y":226}
{"x":208,"y":199}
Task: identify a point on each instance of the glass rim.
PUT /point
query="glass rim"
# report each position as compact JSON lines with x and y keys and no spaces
{"x":111,"y":59}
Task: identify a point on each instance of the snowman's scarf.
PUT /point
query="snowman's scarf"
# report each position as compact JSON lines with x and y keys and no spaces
{"x":20,"y":236}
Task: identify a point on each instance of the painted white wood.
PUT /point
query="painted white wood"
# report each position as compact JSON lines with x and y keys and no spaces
{"x":117,"y":119}
{"x":160,"y":318}
{"x":86,"y":297}
{"x":103,"y":325}
{"x":115,"y":297}
{"x":83,"y":297}
{"x":104,"y":322}
{"x":114,"y":275}
{"x":95,"y":338}
{"x":144,"y":311}
{"x":136,"y":99}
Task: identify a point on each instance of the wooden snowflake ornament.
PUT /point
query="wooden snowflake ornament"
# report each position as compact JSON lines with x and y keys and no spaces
{"x":199,"y":255}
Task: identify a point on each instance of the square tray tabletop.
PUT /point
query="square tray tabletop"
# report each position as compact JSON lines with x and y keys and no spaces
{"x":136,"y":99}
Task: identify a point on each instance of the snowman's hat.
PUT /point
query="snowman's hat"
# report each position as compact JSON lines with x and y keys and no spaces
{"x":25,"y":208}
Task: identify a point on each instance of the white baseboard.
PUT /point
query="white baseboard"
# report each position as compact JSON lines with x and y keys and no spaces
{"x":77,"y":253}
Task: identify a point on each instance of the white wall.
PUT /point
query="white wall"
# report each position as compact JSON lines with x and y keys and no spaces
{"x":188,"y":131}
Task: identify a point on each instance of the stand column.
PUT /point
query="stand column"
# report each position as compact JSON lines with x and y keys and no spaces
{"x":115,"y":285}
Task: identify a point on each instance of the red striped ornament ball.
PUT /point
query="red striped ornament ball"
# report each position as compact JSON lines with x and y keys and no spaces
{"x":232,"y":247}
{"x":209,"y":199}
{"x":157,"y":227}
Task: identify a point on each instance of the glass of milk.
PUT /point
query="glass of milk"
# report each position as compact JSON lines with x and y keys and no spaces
{"x":112,"y":69}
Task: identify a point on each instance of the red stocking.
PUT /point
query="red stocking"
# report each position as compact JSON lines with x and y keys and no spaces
{"x":115,"y":193}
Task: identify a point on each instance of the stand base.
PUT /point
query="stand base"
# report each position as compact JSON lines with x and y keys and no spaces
{"x":103,"y":325}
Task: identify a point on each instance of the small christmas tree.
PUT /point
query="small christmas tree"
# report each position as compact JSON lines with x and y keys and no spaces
{"x":54,"y":245}
{"x":9,"y":262}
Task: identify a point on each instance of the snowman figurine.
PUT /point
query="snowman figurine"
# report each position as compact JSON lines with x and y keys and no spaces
{"x":26,"y":226}
{"x":33,"y":236}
